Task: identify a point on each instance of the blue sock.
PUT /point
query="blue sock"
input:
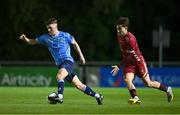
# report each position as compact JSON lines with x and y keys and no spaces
{"x":89,"y":91}
{"x":60,"y":86}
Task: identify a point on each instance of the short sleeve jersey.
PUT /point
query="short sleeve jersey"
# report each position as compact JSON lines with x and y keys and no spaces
{"x":58,"y":45}
{"x":129,"y":49}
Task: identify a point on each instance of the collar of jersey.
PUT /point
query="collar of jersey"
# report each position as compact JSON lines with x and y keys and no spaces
{"x":55,"y":35}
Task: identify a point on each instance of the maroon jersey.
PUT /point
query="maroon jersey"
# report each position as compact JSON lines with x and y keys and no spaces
{"x":129,"y":48}
{"x":133,"y":61}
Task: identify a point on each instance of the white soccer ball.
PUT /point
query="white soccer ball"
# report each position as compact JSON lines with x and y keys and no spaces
{"x":51,"y":97}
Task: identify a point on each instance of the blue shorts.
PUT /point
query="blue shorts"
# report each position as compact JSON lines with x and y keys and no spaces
{"x":69,"y":66}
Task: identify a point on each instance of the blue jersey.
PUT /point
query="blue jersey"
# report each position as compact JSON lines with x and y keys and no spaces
{"x":58,"y":45}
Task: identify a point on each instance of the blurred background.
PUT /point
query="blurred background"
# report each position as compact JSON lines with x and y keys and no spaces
{"x":155,"y":23}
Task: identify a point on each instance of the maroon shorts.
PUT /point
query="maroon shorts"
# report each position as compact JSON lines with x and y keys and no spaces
{"x":139,"y":69}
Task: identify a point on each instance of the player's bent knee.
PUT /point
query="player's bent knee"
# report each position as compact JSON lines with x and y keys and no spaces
{"x":59,"y":77}
{"x":127,"y":80}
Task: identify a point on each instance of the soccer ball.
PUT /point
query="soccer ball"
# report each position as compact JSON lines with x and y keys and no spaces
{"x":51,"y":97}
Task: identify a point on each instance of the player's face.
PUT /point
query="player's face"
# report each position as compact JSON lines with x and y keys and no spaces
{"x":52,"y":28}
{"x":121,"y":30}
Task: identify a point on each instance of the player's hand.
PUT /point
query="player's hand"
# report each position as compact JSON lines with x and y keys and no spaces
{"x":114,"y":70}
{"x":22,"y":37}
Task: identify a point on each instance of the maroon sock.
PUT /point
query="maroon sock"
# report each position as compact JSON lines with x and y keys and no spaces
{"x":133,"y":93}
{"x":163,"y":88}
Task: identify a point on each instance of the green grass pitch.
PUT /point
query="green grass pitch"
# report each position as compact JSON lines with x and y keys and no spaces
{"x":26,"y":100}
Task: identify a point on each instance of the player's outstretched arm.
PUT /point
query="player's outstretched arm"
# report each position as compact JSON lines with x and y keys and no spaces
{"x":27,"y":40}
{"x":78,"y":50}
{"x":114,"y":70}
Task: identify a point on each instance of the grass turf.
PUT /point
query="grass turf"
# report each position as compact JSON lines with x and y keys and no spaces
{"x":26,"y":100}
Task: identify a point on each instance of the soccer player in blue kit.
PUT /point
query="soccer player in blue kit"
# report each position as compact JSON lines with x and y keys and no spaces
{"x":58,"y":43}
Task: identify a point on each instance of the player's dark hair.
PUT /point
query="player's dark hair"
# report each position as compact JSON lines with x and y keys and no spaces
{"x":124,"y":21}
{"x":51,"y":21}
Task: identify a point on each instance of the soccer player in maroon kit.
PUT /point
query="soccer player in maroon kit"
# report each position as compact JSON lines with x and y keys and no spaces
{"x":134,"y":63}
